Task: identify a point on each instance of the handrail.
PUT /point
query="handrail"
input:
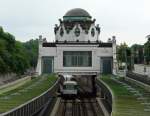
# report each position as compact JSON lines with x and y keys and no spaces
{"x":107,"y":91}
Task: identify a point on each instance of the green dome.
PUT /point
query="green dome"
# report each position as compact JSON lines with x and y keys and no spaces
{"x":77,"y":14}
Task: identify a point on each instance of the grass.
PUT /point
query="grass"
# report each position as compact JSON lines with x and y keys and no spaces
{"x":26,"y":92}
{"x":125,"y":102}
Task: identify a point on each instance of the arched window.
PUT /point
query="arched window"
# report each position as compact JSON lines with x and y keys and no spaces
{"x":92,"y":32}
{"x":61,"y":32}
{"x":77,"y":31}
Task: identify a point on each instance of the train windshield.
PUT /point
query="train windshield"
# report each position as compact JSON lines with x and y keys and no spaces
{"x":69,"y":87}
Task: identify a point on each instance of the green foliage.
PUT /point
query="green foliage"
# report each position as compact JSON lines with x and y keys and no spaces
{"x":123,"y":52}
{"x":32,"y":50}
{"x":137,"y":51}
{"x":147,"y":51}
{"x":15,"y":56}
{"x":3,"y":66}
{"x":140,"y":54}
{"x":134,"y":54}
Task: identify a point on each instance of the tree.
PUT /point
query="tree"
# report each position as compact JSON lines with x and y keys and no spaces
{"x":3,"y":67}
{"x":124,"y":55}
{"x":147,"y":51}
{"x":32,"y":49}
{"x":138,"y":54}
{"x":121,"y":52}
{"x":16,"y":56}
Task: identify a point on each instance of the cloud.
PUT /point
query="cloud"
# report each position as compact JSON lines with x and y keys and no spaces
{"x":26,"y":19}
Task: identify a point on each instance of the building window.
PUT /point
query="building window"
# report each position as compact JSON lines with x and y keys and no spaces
{"x":77,"y":58}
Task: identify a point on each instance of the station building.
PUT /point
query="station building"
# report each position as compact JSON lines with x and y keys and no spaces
{"x":77,"y":49}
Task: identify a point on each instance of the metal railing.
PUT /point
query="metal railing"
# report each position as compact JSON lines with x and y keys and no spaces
{"x":105,"y":95}
{"x":35,"y":105}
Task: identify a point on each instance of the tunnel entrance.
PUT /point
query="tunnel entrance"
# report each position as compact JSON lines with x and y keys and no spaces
{"x":83,"y":85}
{"x":86,"y":85}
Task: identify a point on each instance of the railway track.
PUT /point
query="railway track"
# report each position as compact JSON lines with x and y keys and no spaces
{"x":79,"y":107}
{"x":85,"y":104}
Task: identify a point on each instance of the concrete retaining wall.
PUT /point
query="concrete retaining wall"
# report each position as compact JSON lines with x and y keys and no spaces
{"x":14,"y":84}
{"x":138,"y":83}
{"x":142,"y":69}
{"x":7,"y":77}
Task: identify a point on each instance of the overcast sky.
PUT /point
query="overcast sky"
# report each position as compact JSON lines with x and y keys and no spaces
{"x":129,"y":20}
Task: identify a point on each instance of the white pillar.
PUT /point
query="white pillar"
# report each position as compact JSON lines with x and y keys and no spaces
{"x":39,"y":62}
{"x":114,"y":55}
{"x":39,"y":66}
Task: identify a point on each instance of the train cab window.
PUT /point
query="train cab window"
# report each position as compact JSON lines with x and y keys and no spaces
{"x":69,"y":87}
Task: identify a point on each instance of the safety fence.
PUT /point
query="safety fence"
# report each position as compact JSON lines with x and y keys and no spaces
{"x":105,"y":94}
{"x":33,"y":106}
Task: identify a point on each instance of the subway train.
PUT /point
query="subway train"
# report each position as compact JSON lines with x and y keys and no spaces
{"x":69,"y":88}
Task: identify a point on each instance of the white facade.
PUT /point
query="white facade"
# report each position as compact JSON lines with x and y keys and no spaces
{"x":71,"y":36}
{"x":69,"y":41}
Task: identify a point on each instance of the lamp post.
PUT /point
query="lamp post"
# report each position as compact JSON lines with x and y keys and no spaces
{"x":125,"y":54}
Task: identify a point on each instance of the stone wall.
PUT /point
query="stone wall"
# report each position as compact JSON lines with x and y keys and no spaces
{"x":142,"y":69}
{"x":6,"y":78}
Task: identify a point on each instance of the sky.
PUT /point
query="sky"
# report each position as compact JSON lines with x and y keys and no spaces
{"x":128,"y":20}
